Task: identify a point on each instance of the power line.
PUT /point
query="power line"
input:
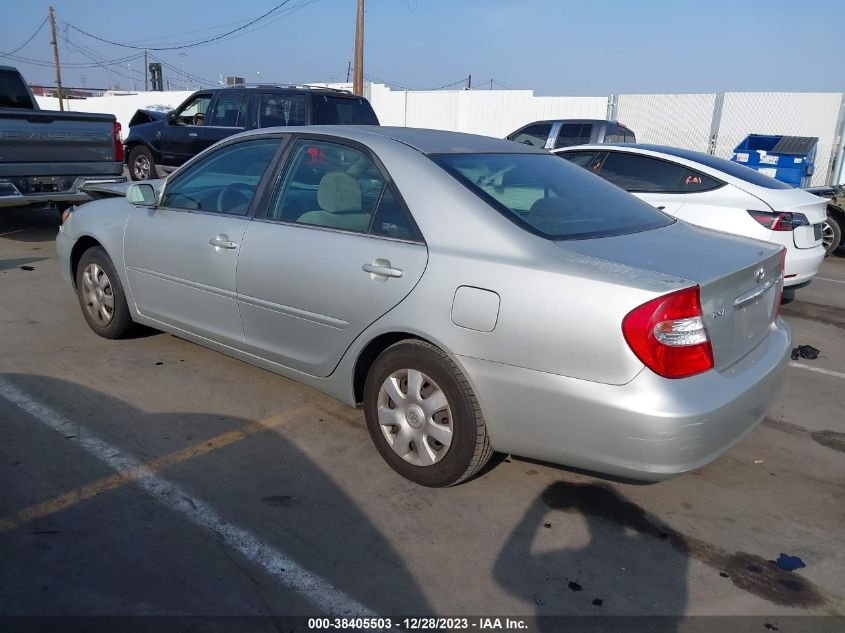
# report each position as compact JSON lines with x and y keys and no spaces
{"x":29,"y":39}
{"x":454,"y":83}
{"x":173,"y":48}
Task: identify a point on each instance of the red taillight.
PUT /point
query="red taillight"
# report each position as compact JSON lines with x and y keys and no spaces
{"x":118,"y":143}
{"x":782,"y":277}
{"x":668,"y":335}
{"x":779,"y":220}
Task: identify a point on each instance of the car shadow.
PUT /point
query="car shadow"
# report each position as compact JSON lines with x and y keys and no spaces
{"x":620,"y":566}
{"x":122,"y":551}
{"x":29,"y":224}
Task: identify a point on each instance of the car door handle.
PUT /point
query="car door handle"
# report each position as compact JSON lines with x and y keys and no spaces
{"x":192,"y":134}
{"x":221,"y":242}
{"x":383,"y":270}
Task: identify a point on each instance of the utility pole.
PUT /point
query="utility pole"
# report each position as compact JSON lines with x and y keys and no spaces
{"x":469,"y":82}
{"x":146,"y":69}
{"x":56,"y":58}
{"x":348,"y":71}
{"x":358,"y":79}
{"x":491,"y":84}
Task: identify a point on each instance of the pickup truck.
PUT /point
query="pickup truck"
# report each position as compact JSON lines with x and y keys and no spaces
{"x":47,"y":157}
{"x":159,"y":142}
{"x":558,"y":133}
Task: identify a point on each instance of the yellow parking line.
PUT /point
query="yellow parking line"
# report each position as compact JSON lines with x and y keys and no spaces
{"x":119,"y":479}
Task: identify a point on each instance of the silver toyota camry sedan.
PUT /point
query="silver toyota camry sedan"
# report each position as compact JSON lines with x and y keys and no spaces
{"x":471,"y":294}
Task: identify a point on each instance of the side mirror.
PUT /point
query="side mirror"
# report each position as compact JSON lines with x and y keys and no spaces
{"x":171,"y":117}
{"x":142,"y":195}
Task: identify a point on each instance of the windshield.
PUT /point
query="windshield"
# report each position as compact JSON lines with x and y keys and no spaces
{"x":343,"y":111}
{"x":551,"y":197}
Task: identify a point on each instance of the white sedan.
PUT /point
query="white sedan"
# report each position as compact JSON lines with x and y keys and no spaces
{"x":717,"y":194}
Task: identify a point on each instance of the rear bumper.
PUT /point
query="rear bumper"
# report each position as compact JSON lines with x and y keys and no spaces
{"x":11,"y":196}
{"x":802,"y":264}
{"x":649,"y":429}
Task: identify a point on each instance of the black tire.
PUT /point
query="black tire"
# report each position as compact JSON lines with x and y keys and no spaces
{"x":470,"y":446}
{"x":121,"y":321}
{"x":832,"y":231}
{"x":141,"y":165}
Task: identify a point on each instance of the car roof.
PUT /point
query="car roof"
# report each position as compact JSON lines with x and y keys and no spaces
{"x":303,"y":89}
{"x":572,"y":121}
{"x":423,"y":140}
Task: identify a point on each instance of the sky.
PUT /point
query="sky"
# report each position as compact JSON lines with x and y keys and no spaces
{"x":555,"y":47}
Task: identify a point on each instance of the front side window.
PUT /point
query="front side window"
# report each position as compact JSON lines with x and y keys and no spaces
{"x":549,"y":197}
{"x":574,"y":134}
{"x":644,"y":174}
{"x":222,"y":182}
{"x":336,"y":186}
{"x":193,"y":112}
{"x":535,"y":135}
{"x":281,"y":110}
{"x":330,"y":110}
{"x":230,"y":110}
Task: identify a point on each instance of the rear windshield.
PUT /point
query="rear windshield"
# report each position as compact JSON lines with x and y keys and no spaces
{"x":343,"y":111}
{"x":551,"y":197}
{"x":13,"y":92}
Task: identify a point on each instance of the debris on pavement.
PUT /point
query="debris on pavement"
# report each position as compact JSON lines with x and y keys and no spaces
{"x":805,"y":351}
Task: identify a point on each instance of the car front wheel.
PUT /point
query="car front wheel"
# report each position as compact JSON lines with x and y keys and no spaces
{"x":423,"y":416}
{"x":101,"y":295}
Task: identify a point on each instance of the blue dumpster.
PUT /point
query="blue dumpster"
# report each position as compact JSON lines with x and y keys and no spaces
{"x":790,"y":159}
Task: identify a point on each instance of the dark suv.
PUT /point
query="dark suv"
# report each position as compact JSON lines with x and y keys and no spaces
{"x":159,"y":141}
{"x":567,"y":132}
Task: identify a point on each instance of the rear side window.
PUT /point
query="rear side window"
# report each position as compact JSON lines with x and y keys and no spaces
{"x":549,"y":197}
{"x":330,"y":110}
{"x":587,"y":160}
{"x":643,"y":174}
{"x":13,"y":92}
{"x":574,"y":134}
{"x":535,"y":135}
{"x":281,"y":109}
{"x":229,"y":110}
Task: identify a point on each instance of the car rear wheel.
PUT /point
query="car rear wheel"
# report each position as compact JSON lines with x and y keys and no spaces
{"x":141,"y":163}
{"x":423,"y":415}
{"x":831,"y":234}
{"x":101,"y":295}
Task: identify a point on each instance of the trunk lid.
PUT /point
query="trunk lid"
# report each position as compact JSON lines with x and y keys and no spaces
{"x":739,"y":278}
{"x":812,"y":207}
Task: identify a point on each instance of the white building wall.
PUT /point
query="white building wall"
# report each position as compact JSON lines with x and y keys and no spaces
{"x":679,"y":120}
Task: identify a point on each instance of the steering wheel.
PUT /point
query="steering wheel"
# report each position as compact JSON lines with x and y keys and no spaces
{"x":234,"y":198}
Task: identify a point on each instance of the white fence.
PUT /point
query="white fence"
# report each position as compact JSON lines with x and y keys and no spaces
{"x":704,"y":122}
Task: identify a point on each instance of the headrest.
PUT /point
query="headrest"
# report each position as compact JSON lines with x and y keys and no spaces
{"x":338,"y":192}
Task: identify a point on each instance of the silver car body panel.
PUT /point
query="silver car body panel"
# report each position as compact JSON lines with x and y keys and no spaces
{"x":553,"y":366}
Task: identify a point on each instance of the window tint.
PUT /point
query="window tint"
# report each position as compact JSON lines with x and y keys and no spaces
{"x":13,"y":93}
{"x":343,"y":111}
{"x":729,"y":167}
{"x":651,"y":175}
{"x":230,"y":110}
{"x":574,"y":134}
{"x":587,"y":160}
{"x":328,"y":184}
{"x":193,"y":112}
{"x":535,"y":135}
{"x":629,"y":137}
{"x":550,"y":197}
{"x":391,"y":220}
{"x":222,"y":182}
{"x":281,"y":109}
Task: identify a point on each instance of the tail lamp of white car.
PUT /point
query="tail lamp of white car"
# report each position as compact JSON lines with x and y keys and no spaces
{"x":668,"y":335}
{"x":779,"y":220}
